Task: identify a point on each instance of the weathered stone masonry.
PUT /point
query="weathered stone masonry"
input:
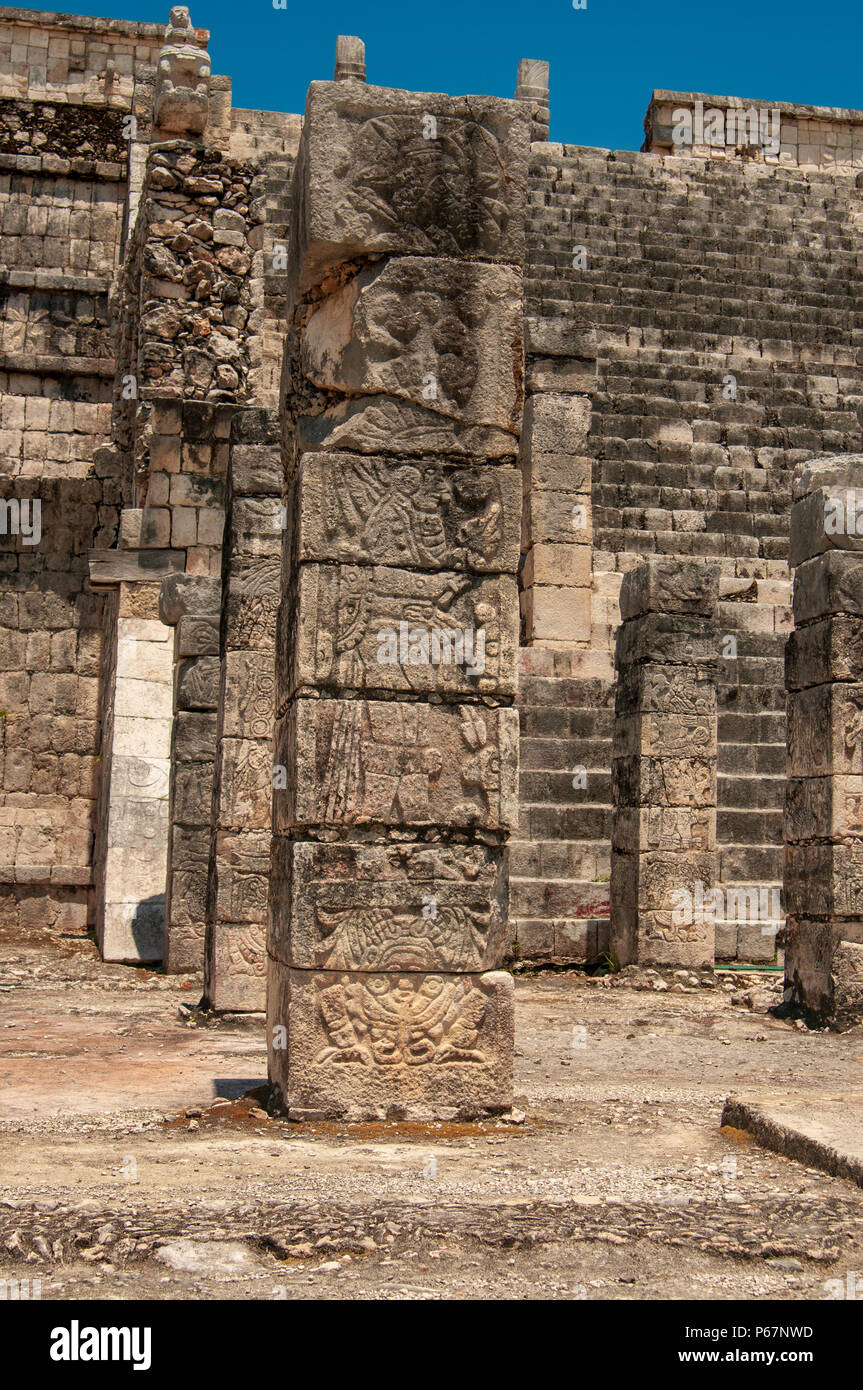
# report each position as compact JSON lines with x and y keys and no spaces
{"x":452,"y":376}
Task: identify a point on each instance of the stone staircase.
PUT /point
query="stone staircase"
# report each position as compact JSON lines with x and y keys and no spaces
{"x":560,"y":861}
{"x":716,"y":329}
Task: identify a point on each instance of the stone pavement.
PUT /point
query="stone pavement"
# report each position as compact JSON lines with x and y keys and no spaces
{"x":136,"y":1160}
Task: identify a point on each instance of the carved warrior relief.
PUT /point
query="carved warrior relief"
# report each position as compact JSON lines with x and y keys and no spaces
{"x":443,"y":195}
{"x":436,"y":334}
{"x":364,"y":628}
{"x":402,"y":1020}
{"x":421,"y":515}
{"x":254,"y":589}
{"x":405,"y":764}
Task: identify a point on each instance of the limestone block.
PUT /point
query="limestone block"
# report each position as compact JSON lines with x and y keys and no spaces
{"x":679,"y":639}
{"x":562,"y":565}
{"x":245,"y":784}
{"x":847,"y":972}
{"x":665,"y":689}
{"x":133,"y":931}
{"x":825,"y":730}
{"x":241,"y":867}
{"x":398,"y":172}
{"x":198,"y":637}
{"x":418,"y":1046}
{"x":198,"y":684}
{"x":363,"y":762}
{"x":666,"y":584}
{"x":823,"y":808}
{"x":810,"y":959}
{"x":185,"y":595}
{"x":252,"y":603}
{"x":142,"y":699}
{"x":193,"y":793}
{"x":249,"y":703}
{"x":388,"y":907}
{"x":666,"y":735}
{"x":555,"y":424}
{"x":829,"y":583}
{"x":823,"y":880}
{"x":381,"y":424}
{"x":138,"y":737}
{"x":400,"y":631}
{"x":139,"y":777}
{"x":436,"y":334}
{"x":561,"y":517}
{"x":237,"y":968}
{"x":194,"y":737}
{"x":256,"y":469}
{"x":557,"y":614}
{"x":666,"y":828}
{"x":657,"y":781}
{"x":830,"y":518}
{"x":829,"y":650}
{"x":424,"y":515}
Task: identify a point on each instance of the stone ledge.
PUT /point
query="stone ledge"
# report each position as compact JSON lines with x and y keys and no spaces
{"x":103,"y":170}
{"x":45,"y":364}
{"x":57,"y":875}
{"x":54,"y":280}
{"x":820,"y":1131}
{"x":109,"y":567}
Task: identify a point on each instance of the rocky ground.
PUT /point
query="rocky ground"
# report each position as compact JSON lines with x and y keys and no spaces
{"x":136,"y":1160}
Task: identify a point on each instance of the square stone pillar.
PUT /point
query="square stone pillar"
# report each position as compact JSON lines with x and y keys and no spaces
{"x":663,"y":860}
{"x":398,"y":632}
{"x":824,"y":796}
{"x":132,"y":836}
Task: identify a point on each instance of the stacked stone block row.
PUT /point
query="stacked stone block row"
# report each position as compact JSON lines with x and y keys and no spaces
{"x":824,"y":798}
{"x":663,"y":858}
{"x":239,"y":881}
{"x":404,"y":379}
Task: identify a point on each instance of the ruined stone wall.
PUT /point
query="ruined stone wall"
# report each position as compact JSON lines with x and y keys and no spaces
{"x":704,"y":313}
{"x":65,"y":87}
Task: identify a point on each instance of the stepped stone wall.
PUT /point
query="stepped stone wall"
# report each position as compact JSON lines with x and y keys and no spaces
{"x":203,"y":384}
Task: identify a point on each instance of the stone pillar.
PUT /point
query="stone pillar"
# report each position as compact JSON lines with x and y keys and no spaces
{"x":398,"y":631}
{"x":533,"y":87}
{"x":824,"y":795}
{"x":190,"y":604}
{"x":663,"y":860}
{"x":235,"y":976}
{"x":557,"y":535}
{"x":132,"y":824}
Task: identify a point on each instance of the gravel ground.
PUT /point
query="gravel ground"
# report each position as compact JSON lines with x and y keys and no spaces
{"x":136,"y":1160}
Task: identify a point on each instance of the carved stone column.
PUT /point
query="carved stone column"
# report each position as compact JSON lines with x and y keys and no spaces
{"x":399,"y":623}
{"x":663,"y":861}
{"x":824,"y":796}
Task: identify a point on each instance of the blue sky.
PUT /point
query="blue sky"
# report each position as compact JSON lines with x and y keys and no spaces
{"x":605,"y":59}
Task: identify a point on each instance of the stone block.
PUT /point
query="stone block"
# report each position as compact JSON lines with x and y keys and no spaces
{"x":828,"y":650}
{"x":829,"y":583}
{"x":391,"y":1045}
{"x":249,"y":704}
{"x":396,"y":907}
{"x":400,"y":631}
{"x":825,"y":730}
{"x":245,"y":784}
{"x":823,"y":880}
{"x":132,"y":932}
{"x":555,"y":424}
{"x":675,"y":639}
{"x":424,"y":515}
{"x":198,"y":684}
{"x":237,"y":968}
{"x":658,"y":781}
{"x":823,"y":808}
{"x":438,"y":335}
{"x":409,"y":172}
{"x":363,"y":762}
{"x":670,"y":584}
{"x":385,"y":424}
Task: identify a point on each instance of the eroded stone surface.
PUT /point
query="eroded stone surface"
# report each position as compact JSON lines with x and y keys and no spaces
{"x":373,"y":1045}
{"x":408,"y":633}
{"x":423,"y":515}
{"x":388,"y":907}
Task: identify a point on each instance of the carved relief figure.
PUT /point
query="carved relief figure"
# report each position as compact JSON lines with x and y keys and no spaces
{"x":407,"y":1020}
